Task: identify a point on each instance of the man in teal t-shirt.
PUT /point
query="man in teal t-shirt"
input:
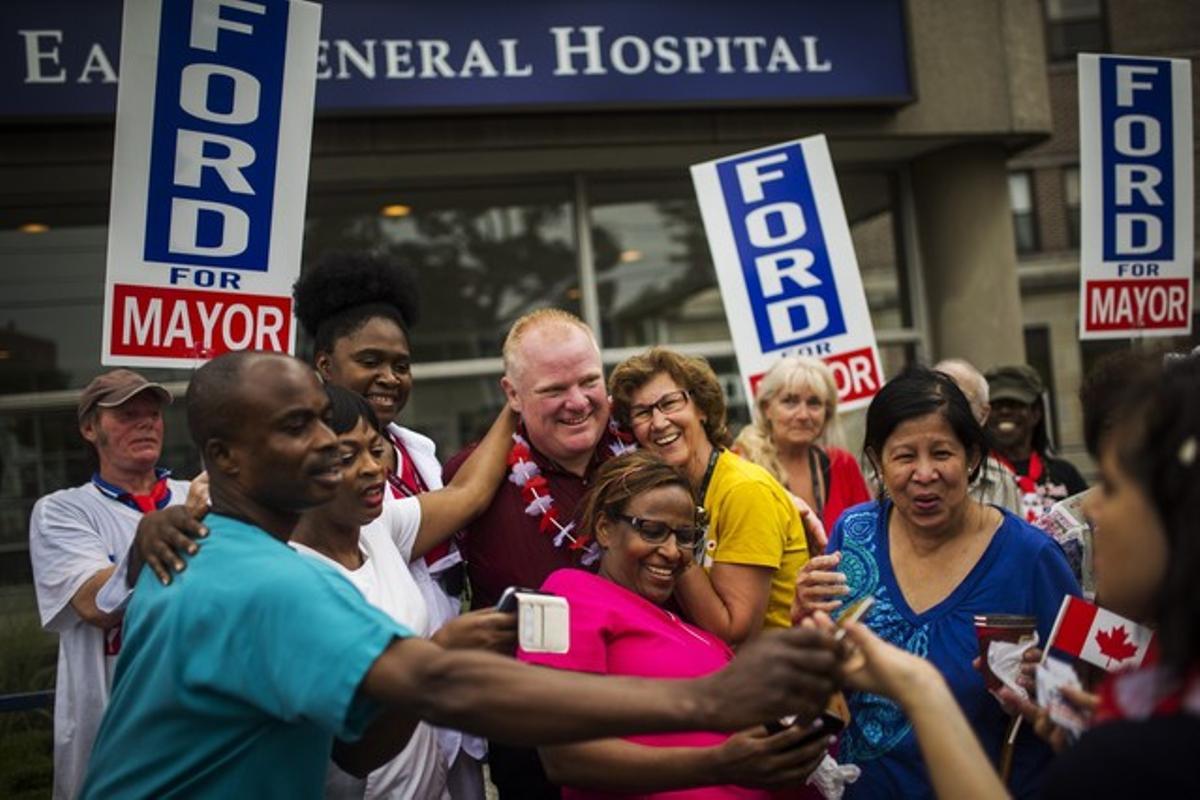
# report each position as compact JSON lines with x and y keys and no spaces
{"x":234,"y":680}
{"x":222,"y":666}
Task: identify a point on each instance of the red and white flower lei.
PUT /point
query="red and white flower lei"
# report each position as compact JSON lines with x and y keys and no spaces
{"x":535,"y":491}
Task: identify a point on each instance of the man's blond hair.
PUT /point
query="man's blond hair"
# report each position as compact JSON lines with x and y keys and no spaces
{"x":542,"y":317}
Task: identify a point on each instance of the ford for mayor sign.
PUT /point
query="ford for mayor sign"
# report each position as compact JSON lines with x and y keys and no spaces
{"x":786,"y":265}
{"x":214,"y":119}
{"x":1136,"y":249}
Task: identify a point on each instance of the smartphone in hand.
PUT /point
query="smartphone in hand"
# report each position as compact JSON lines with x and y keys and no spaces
{"x":508,"y":598}
{"x":543,"y":619}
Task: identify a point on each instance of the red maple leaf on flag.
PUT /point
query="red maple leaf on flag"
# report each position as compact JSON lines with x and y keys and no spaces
{"x":1115,"y":643}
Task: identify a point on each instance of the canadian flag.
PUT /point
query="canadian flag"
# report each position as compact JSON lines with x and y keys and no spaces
{"x":1099,"y":637}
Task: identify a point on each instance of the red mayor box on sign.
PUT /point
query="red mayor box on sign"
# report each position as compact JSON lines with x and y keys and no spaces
{"x":214,"y":119}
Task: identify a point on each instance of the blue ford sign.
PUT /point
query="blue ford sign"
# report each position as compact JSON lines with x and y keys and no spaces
{"x":535,"y":55}
{"x":1136,"y":209}
{"x":781,"y":247}
{"x":210,"y":166}
{"x":786,"y":266}
{"x":216,"y":131}
{"x":1137,"y":151}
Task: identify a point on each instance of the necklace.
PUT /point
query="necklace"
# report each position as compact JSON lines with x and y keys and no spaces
{"x":685,"y":627}
{"x":525,"y":474}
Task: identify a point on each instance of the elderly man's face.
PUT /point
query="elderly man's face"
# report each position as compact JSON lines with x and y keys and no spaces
{"x":127,"y":438}
{"x":557,"y":385}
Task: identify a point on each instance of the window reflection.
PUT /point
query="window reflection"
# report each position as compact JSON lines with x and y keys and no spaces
{"x":654,"y":271}
{"x":1020,"y":194}
{"x":654,"y":274}
{"x":52,"y":311}
{"x":485,"y":254}
{"x":869,"y":199}
{"x":484,"y":257}
{"x":453,"y":411}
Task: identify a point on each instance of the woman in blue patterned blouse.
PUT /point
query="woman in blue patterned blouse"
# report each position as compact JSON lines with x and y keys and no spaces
{"x":933,"y":558}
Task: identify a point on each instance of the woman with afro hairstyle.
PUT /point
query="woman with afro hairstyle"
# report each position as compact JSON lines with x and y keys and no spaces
{"x":358,"y":309}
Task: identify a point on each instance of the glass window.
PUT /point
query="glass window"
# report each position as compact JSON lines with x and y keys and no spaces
{"x":1074,"y":26}
{"x":453,"y":411}
{"x":654,"y":271}
{"x":869,"y":199}
{"x":1020,"y":197}
{"x":654,"y":274}
{"x":52,"y":308}
{"x":485,"y":255}
{"x":1071,"y":204}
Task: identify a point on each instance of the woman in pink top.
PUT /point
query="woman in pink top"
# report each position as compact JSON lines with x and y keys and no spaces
{"x":645,"y":519}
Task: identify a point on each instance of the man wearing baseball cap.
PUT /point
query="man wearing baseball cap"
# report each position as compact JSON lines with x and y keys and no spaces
{"x":1018,"y":427}
{"x":76,"y":538}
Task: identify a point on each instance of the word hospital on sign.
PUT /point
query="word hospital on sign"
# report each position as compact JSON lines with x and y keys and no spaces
{"x":781,"y":247}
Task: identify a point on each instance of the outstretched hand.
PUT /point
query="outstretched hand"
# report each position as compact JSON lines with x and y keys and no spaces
{"x":875,"y":666}
{"x":483,"y":629}
{"x":776,"y":674}
{"x":1051,"y":732}
{"x":814,"y":528}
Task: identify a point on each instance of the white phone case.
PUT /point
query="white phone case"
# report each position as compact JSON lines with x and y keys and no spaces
{"x":543,"y":623}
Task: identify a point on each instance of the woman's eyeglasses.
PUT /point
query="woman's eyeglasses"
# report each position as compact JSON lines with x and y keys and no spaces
{"x":669,"y":403}
{"x":654,"y":532}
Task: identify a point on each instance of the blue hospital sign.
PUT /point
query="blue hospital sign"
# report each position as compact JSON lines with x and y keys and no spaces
{"x":1136,"y":196}
{"x":214,"y":118}
{"x":786,"y":265}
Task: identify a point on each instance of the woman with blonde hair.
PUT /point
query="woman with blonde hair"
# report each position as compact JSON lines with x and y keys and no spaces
{"x":795,"y":424}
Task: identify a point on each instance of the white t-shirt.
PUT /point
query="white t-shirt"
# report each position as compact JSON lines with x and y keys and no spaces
{"x":418,"y":771}
{"x":442,"y":607}
{"x":73,"y":534}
